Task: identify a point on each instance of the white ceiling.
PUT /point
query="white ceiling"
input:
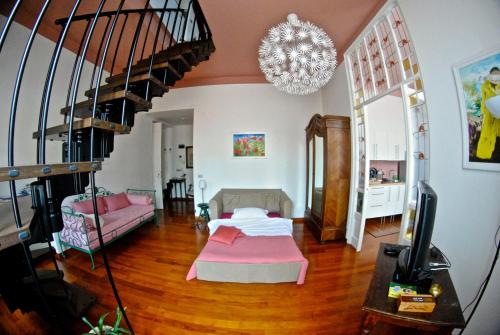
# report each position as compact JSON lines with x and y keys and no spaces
{"x":174,"y":117}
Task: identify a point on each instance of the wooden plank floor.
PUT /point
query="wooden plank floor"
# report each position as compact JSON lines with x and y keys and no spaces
{"x":150,"y":266}
{"x":376,"y":228}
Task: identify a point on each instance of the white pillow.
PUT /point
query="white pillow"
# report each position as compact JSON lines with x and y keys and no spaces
{"x":249,"y":213}
{"x":253,"y":209}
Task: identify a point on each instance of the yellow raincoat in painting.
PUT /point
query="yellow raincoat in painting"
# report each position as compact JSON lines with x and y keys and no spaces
{"x":490,"y":129}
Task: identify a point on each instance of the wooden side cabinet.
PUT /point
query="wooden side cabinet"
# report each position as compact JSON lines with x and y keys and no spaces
{"x":328,"y":176}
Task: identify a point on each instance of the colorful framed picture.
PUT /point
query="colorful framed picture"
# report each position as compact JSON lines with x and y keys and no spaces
{"x":249,"y":145}
{"x":478,"y":86}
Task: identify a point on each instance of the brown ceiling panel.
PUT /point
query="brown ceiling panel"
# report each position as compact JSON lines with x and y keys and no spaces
{"x":238,"y":27}
{"x":61,"y":8}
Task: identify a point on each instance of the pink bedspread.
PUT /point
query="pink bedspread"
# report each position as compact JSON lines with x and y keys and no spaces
{"x":254,"y":250}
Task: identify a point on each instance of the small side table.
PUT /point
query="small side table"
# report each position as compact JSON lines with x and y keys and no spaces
{"x":204,"y":215}
{"x":379,"y":308}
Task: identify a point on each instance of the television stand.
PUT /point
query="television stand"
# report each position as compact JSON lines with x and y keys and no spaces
{"x":378,"y":307}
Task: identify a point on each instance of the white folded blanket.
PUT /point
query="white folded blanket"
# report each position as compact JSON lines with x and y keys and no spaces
{"x":256,"y":227}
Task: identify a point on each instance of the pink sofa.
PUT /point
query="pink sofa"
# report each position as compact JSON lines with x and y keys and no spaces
{"x":118,"y":215}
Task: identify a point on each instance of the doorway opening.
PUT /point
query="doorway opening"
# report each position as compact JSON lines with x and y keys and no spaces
{"x":386,"y":160}
{"x":174,"y":152}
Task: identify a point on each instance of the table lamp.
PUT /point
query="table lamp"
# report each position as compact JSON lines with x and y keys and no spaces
{"x":202,"y":184}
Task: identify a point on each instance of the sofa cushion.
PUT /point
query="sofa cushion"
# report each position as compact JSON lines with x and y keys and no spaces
{"x":122,"y":216}
{"x":232,"y":201}
{"x":138,"y":199}
{"x":120,"y":221}
{"x":272,"y":201}
{"x":116,"y":201}
{"x":87,"y":207}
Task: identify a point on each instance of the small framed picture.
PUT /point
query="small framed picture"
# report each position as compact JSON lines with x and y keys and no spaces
{"x":478,"y":86}
{"x":189,"y":157}
{"x":249,"y":145}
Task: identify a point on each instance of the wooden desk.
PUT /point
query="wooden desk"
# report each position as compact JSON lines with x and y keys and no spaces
{"x":380,"y":308}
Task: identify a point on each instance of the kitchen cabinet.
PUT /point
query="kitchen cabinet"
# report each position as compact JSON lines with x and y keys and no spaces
{"x":386,"y":130}
{"x":387,"y":146}
{"x":384,"y":200}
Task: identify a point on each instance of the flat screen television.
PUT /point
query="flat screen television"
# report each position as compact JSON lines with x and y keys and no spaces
{"x":412,"y":266}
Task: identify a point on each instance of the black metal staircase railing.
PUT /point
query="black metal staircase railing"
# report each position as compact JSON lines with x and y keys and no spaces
{"x":180,"y":40}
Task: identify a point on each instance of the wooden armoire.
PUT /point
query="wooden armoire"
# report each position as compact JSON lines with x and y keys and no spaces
{"x":328,"y":176}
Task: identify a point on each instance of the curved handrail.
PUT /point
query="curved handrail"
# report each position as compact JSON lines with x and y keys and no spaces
{"x":112,"y":13}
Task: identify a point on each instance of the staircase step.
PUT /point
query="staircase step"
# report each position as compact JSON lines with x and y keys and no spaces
{"x":160,"y":66}
{"x":183,"y":63}
{"x":60,"y":133}
{"x":84,"y":109}
{"x":179,"y":61}
{"x":46,"y":170}
{"x":76,"y":306}
{"x":137,"y":84}
{"x":192,"y":52}
{"x":81,"y":145}
{"x":43,"y":275}
{"x":9,"y":234}
{"x":170,"y":64}
{"x":163,"y":69}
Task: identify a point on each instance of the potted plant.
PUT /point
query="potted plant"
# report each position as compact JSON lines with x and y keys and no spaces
{"x":103,"y":329}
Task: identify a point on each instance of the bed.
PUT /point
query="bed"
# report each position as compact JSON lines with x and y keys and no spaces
{"x":267,"y":253}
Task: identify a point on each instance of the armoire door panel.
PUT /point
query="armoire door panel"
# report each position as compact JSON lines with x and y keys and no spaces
{"x":330,"y":224}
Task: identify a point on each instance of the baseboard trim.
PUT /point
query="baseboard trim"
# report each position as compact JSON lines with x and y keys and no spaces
{"x":298,"y":220}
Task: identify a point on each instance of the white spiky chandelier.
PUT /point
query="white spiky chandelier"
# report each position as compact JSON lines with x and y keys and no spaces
{"x":297,"y":57}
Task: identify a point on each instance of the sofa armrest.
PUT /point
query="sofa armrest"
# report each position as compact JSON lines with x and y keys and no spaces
{"x":215,"y":205}
{"x":150,"y":193}
{"x":74,"y":220}
{"x":76,"y":228}
{"x":285,"y":206}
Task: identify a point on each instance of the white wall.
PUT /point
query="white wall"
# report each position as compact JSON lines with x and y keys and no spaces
{"x":223,"y":109}
{"x":157,"y":163}
{"x":335,"y":98}
{"x":131,"y":162}
{"x":468,"y":208}
{"x":31,"y":95}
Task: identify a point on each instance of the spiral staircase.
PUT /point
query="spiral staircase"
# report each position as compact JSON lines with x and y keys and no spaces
{"x":87,"y":132}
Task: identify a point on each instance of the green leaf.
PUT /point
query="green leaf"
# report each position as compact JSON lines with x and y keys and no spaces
{"x":87,"y":322}
{"x":101,"y":321}
{"x":123,"y":331}
{"x":118,"y":318}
